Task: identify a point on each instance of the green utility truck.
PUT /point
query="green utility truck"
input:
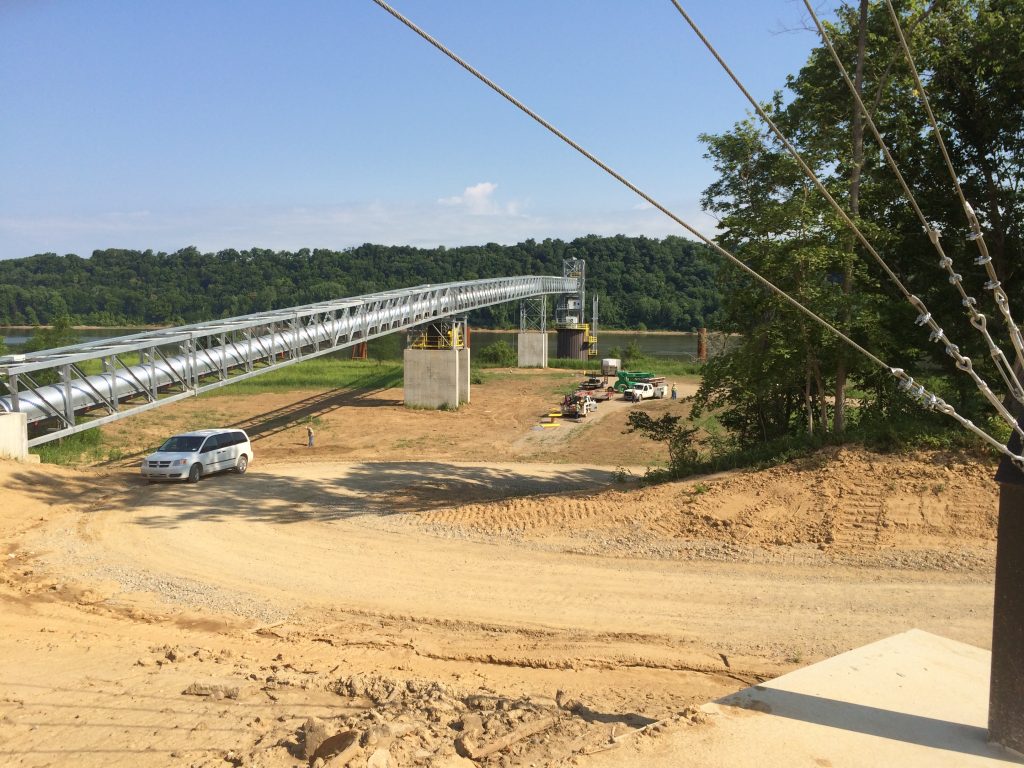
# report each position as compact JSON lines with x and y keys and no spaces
{"x":626,"y":379}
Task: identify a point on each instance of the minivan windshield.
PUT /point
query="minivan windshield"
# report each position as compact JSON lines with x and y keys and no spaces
{"x":182,"y":444}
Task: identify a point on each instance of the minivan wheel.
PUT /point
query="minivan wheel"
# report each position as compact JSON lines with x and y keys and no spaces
{"x":195,"y":473}
{"x":242,"y":465}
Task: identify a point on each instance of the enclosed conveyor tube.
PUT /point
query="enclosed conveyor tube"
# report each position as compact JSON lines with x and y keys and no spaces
{"x":150,"y":377}
{"x":294,"y":333}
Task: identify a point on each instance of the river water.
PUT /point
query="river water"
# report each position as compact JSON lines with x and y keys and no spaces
{"x":671,"y":346}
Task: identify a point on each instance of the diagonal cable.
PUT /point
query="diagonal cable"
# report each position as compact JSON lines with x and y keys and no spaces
{"x":977,"y":319}
{"x":924,"y":316}
{"x":915,"y":390}
{"x":983,"y":258}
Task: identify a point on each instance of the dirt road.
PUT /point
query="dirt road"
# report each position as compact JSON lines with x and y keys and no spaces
{"x":416,"y":591}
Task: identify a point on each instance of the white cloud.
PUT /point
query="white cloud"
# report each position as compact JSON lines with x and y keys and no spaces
{"x":477,"y":199}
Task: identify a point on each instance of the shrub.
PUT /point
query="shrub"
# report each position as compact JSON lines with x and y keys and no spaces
{"x":500,"y":354}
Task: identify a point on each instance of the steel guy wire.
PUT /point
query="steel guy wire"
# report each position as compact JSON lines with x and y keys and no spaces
{"x":907,"y":384}
{"x":978,"y":320}
{"x":983,"y":258}
{"x":924,"y":316}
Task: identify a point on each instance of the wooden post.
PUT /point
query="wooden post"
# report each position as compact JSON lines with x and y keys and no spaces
{"x":702,"y":345}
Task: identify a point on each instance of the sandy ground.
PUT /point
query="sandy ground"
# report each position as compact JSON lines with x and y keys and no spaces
{"x":421,"y":586}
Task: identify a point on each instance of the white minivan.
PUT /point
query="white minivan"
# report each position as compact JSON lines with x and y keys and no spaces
{"x":193,"y":454}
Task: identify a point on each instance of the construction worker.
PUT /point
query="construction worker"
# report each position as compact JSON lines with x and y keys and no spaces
{"x":309,"y":435}
{"x":675,"y":392}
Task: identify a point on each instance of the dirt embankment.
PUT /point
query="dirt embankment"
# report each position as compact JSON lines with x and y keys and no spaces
{"x":931,"y":510}
{"x":432,"y":589}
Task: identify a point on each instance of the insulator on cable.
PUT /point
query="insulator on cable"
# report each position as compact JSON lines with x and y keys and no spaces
{"x":923,"y":319}
{"x":982,"y":260}
{"x":919,"y":392}
{"x":933,"y":234}
{"x":991,"y":285}
{"x":897,"y":372}
{"x":945,"y":262}
{"x":953,"y":351}
{"x":955,"y":278}
{"x":976,"y":235}
{"x":969,"y":301}
{"x":937,"y":335}
{"x":907,"y":383}
{"x":930,"y":402}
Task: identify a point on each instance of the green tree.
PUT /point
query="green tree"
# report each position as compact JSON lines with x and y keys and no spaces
{"x":500,"y":354}
{"x":772,"y":218}
{"x":60,"y":334}
{"x":682,"y":453}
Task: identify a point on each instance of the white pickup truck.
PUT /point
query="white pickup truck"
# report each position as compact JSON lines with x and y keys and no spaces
{"x":642,"y":391}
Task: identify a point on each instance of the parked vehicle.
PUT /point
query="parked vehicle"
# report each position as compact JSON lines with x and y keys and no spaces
{"x":626,"y":379}
{"x":645,"y":391}
{"x":578,"y":405}
{"x":191,"y":455}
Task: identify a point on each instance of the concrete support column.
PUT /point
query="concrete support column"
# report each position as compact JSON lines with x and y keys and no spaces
{"x":436,"y":378}
{"x":14,"y":436}
{"x":463,"y":355}
{"x":532,"y":347}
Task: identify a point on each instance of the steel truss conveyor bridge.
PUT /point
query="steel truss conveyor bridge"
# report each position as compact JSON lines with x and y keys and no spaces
{"x":61,"y":390}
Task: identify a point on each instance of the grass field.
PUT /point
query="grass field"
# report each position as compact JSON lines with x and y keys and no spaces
{"x":319,"y":373}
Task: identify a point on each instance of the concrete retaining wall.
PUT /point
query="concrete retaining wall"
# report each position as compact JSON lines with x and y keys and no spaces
{"x":14,"y":436}
{"x":533,"y":349}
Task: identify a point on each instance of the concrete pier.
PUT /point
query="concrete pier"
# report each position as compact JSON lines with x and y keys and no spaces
{"x":571,"y":343}
{"x":436,"y":378}
{"x":533,"y":349}
{"x":14,"y":436}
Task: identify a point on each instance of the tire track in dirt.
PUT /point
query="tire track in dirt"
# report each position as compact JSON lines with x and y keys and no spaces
{"x":855,"y":507}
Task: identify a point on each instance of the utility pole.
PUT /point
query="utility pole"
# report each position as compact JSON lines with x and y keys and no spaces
{"x":1006,"y":688}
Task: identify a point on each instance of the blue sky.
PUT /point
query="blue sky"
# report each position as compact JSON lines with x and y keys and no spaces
{"x":325,"y":123}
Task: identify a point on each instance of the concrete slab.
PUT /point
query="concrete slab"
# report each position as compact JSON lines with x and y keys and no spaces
{"x":914,"y":699}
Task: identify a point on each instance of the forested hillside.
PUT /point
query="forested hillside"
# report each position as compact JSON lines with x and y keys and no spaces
{"x":642,"y":282}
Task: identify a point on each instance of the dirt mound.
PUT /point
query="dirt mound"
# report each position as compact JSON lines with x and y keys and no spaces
{"x":929,"y":510}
